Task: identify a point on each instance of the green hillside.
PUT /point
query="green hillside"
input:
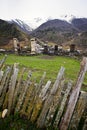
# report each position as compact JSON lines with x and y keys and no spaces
{"x":9,"y":31}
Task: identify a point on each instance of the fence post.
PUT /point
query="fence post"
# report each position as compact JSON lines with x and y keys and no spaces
{"x":48,"y":102}
{"x":23,"y":93}
{"x":2,"y":61}
{"x":85,"y":124}
{"x":63,"y":103}
{"x":29,"y":95}
{"x":12,"y":88}
{"x":36,"y":93}
{"x":80,"y":107}
{"x":39,"y":102}
{"x":17,"y":89}
{"x":1,"y":75}
{"x":9,"y":72}
{"x":55,"y":104}
{"x":74,"y":96}
{"x":3,"y":81}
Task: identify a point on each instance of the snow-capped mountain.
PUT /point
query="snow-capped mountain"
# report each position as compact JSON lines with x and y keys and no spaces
{"x":68,"y":18}
{"x":36,"y":22}
{"x":22,"y":25}
{"x":29,"y":25}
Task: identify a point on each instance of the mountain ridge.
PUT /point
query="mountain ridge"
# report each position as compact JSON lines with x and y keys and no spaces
{"x":10,"y":30}
{"x":22,"y":25}
{"x":80,"y":23}
{"x":56,"y":31}
{"x":62,"y":32}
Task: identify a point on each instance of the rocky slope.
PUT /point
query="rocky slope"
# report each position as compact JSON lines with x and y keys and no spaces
{"x":61,"y":32}
{"x":80,"y":23}
{"x":8,"y":31}
{"x":22,"y":25}
{"x":54,"y":31}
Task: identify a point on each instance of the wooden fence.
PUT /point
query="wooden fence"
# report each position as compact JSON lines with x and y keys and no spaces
{"x":61,"y":105}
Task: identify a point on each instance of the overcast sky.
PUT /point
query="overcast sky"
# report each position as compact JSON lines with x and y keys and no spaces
{"x":29,"y":9}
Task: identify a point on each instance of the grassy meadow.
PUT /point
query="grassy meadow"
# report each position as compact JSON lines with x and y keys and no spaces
{"x":49,"y":64}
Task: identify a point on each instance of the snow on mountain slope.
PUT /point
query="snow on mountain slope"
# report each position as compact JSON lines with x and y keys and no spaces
{"x":22,"y":25}
{"x":36,"y":22}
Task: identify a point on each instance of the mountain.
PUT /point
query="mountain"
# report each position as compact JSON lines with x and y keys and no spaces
{"x":35,"y":22}
{"x":81,"y":40}
{"x":52,"y":31}
{"x":59,"y":25}
{"x":22,"y":25}
{"x":8,"y":31}
{"x":80,"y":23}
{"x":67,"y":18}
{"x":64,"y":32}
{"x":56,"y":30}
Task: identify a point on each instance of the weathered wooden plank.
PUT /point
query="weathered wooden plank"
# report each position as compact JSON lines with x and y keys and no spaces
{"x":31,"y":102}
{"x":5,"y":104}
{"x":30,"y":90}
{"x":1,"y":75}
{"x":80,"y":107}
{"x":55,"y":104}
{"x":40,"y":83}
{"x":85,"y":124}
{"x":63,"y":103}
{"x":2,"y":61}
{"x":9,"y":70}
{"x":74,"y":96}
{"x":12,"y":88}
{"x":44,"y":91}
{"x":39,"y":102}
{"x":18,"y":87}
{"x":36,"y":93}
{"x":48,"y":102}
{"x":4,"y":80}
{"x":23,"y":93}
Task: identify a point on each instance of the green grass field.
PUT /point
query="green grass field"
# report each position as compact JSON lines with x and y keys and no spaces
{"x":49,"y":64}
